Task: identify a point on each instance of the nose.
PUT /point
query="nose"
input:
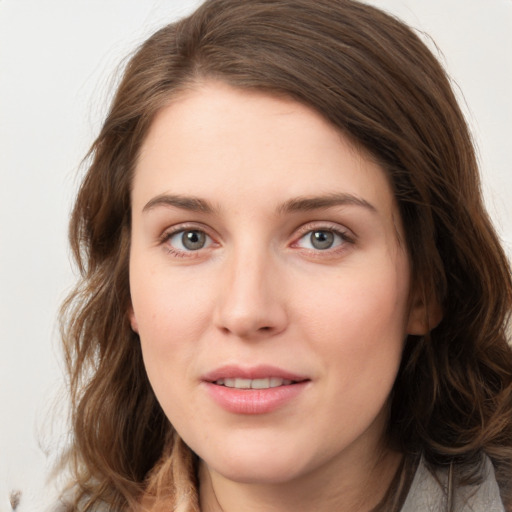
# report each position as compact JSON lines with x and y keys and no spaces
{"x":251,"y":302}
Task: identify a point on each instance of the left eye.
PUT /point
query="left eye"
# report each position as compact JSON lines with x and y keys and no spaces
{"x":189,"y":240}
{"x":320,"y":239}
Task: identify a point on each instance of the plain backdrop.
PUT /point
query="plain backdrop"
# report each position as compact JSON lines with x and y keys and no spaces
{"x":58,"y":61}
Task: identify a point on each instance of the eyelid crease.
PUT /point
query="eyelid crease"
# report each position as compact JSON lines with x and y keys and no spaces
{"x":301,"y":231}
{"x":168,"y":234}
{"x":341,"y":234}
{"x":187,"y":226}
{"x":345,"y":234}
{"x":334,"y":227}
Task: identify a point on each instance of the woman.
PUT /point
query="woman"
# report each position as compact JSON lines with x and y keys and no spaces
{"x":291,"y":294}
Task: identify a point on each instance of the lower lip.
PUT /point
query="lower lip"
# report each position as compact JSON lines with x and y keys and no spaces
{"x":254,"y":401}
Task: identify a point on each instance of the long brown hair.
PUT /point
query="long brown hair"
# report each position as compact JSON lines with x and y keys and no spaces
{"x":373,"y":78}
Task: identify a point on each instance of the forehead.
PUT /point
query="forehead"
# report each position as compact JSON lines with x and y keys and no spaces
{"x":222,"y":143}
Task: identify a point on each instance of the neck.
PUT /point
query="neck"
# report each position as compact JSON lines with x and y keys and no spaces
{"x":356,"y":487}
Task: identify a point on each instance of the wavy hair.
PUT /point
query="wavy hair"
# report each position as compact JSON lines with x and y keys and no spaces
{"x":376,"y":81}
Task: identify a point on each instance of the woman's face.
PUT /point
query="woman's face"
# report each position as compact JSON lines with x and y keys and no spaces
{"x":269,"y":286}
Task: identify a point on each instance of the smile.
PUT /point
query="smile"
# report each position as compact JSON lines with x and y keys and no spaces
{"x":266,"y":383}
{"x":254,"y":390}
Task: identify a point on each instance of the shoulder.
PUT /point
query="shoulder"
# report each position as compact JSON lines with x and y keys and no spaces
{"x":431,"y":491}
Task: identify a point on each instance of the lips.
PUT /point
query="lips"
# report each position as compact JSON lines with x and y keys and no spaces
{"x":255,"y":373}
{"x":256,"y":390}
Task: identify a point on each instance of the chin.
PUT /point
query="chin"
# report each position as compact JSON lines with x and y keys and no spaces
{"x":267,"y":475}
{"x":257,"y":466}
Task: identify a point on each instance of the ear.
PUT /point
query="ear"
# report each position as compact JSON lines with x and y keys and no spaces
{"x":424,"y":315}
{"x":133,"y":320}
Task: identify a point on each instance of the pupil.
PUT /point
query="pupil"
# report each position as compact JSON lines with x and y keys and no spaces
{"x":322,"y":239}
{"x":193,"y":240}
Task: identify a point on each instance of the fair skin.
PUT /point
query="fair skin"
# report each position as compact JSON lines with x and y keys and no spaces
{"x":265,"y":247}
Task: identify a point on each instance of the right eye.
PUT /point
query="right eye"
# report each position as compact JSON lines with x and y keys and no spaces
{"x":321,"y":239}
{"x":188,"y":240}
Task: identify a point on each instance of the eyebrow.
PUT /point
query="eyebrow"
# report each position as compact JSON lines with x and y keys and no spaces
{"x":308,"y":203}
{"x":190,"y":203}
{"x":298,"y":204}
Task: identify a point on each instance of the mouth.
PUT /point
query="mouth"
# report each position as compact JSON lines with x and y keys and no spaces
{"x":252,"y":390}
{"x":256,"y":395}
{"x":265,"y":383}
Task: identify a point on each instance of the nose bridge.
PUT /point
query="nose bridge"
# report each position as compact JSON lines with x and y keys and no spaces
{"x":249,"y":302}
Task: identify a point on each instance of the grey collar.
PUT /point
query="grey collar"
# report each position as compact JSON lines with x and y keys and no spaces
{"x":431,"y":493}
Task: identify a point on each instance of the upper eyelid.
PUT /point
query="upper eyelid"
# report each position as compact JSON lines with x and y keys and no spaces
{"x":186,"y":226}
{"x":296,"y":234}
{"x":348,"y":237}
{"x":169,"y":233}
{"x":164,"y":240}
{"x":324,"y":226}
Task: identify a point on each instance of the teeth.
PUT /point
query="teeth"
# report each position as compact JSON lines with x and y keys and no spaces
{"x":239,"y":383}
{"x":260,"y":384}
{"x":275,"y":382}
{"x":271,"y":382}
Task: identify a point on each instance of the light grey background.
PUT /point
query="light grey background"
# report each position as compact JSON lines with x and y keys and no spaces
{"x":57,"y":69}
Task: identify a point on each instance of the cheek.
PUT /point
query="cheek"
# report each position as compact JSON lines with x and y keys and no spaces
{"x":171,"y":315}
{"x":169,"y":328}
{"x":358,"y":301}
{"x":166,"y":302}
{"x":359,"y":322}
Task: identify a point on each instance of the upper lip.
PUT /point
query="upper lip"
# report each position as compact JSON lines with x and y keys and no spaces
{"x":251,"y":372}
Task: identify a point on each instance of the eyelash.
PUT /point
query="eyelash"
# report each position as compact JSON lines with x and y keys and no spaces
{"x":167,"y":235}
{"x":308,"y":229}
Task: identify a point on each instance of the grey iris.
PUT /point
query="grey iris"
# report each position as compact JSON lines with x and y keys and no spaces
{"x":322,"y":239}
{"x":193,"y":240}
